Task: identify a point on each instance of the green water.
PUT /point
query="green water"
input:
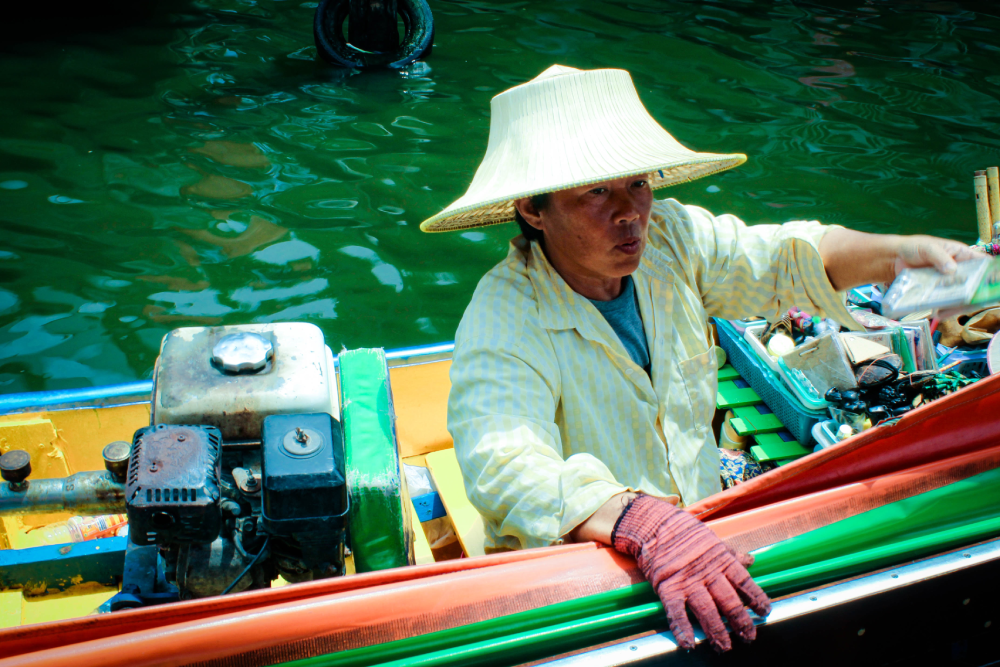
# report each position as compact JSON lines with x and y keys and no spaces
{"x":196,"y":165}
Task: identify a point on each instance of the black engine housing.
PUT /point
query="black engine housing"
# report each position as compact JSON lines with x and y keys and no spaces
{"x":172,"y":492}
{"x":304,"y":488}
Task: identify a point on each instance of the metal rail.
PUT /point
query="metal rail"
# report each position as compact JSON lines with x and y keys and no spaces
{"x":85,"y":493}
{"x":139,"y":391}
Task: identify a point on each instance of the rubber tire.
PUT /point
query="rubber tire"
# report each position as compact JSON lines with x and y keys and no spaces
{"x":328,"y":31}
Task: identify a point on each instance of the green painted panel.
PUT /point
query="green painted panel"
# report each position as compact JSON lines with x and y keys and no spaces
{"x":727,"y":372}
{"x":956,"y":514}
{"x":731,"y":396}
{"x":741,"y":427}
{"x":380,"y":527}
{"x":761,"y":423}
{"x":525,"y":621}
{"x":771,"y":447}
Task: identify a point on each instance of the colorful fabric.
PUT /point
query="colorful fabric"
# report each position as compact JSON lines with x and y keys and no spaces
{"x":549,"y":414}
{"x":737,"y":466}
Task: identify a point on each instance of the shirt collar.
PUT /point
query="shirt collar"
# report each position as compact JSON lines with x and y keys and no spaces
{"x":559,"y":307}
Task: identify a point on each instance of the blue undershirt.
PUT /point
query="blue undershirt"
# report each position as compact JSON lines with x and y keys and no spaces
{"x":622,"y":313}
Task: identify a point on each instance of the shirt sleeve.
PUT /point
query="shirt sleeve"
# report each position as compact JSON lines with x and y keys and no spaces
{"x":501,"y":415}
{"x":764,"y":270}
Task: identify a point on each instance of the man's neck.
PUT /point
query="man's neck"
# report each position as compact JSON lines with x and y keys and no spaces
{"x":596,"y":288}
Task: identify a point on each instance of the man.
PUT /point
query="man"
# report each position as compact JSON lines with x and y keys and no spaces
{"x":583,"y":380}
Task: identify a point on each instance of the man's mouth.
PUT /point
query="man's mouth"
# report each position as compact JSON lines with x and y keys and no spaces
{"x":630,"y":246}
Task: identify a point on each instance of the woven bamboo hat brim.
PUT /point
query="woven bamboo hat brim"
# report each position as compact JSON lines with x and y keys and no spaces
{"x":567,"y":128}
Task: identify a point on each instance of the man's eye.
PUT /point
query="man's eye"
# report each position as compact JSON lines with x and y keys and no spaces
{"x":640,"y":184}
{"x":598,"y":191}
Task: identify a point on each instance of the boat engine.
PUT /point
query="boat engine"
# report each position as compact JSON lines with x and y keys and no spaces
{"x":241,"y":476}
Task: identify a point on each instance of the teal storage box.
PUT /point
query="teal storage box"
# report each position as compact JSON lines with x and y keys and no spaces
{"x":796,"y":417}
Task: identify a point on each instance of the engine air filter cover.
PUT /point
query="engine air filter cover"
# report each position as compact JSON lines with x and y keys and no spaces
{"x":172,"y":494}
{"x":303,"y":471}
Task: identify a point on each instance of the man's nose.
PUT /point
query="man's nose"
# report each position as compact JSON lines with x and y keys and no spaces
{"x":626,"y":210}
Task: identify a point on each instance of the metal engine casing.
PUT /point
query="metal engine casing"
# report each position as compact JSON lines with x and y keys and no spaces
{"x":172,"y":492}
{"x":188,"y":388}
{"x":234,"y":380}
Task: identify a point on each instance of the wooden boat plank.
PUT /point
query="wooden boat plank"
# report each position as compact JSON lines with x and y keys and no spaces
{"x":727,"y":372}
{"x":448,"y":479}
{"x":760,"y":422}
{"x":421,"y":548}
{"x":62,"y":566}
{"x":83,"y":432}
{"x":730,"y":395}
{"x":772,"y":447}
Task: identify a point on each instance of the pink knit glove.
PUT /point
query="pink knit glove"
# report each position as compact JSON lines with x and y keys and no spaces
{"x":687,"y":564}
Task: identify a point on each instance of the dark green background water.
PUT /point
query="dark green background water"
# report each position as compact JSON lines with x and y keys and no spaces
{"x":196,"y":165}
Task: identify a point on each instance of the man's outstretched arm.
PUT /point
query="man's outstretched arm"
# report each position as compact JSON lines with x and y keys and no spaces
{"x":853,"y":258}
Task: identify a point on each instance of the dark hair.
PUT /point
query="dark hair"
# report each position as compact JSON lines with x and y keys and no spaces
{"x":539,"y":202}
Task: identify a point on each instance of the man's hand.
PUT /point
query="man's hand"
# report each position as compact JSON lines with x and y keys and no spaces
{"x":855,"y":258}
{"x":689,"y":566}
{"x":916,"y":252}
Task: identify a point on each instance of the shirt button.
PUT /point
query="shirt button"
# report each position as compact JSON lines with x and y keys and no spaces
{"x":628,"y":372}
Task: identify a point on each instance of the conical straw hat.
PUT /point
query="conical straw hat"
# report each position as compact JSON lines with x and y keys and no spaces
{"x":563,"y":129}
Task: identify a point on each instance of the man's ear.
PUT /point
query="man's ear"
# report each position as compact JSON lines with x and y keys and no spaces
{"x":528,"y":211}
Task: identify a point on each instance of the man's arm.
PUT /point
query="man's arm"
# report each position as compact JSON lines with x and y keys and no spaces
{"x":854,"y":258}
{"x":600,"y":524}
{"x":745,"y":270}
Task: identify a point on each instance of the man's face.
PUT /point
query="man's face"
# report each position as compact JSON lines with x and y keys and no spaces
{"x":596,"y":232}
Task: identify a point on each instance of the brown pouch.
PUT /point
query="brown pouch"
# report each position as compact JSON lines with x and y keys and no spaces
{"x":981,"y":326}
{"x":952,"y":328}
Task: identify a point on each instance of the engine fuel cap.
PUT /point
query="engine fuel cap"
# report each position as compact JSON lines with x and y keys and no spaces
{"x":242,"y":352}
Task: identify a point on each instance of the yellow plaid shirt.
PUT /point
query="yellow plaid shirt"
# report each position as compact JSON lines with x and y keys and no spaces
{"x":550,"y":415}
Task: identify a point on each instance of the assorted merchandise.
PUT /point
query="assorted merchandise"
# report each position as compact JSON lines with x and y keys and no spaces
{"x":973,"y":282}
{"x":846,"y":381}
